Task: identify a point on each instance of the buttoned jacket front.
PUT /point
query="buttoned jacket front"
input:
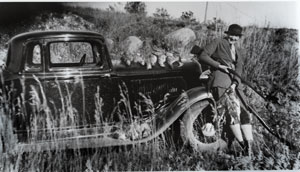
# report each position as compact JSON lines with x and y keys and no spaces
{"x":216,"y":53}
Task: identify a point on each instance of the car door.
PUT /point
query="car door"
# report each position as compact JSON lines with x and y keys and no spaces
{"x":149,"y":89}
{"x":28,"y":90}
{"x":74,"y":93}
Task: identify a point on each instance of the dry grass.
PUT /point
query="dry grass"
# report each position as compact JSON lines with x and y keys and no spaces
{"x":271,"y":53}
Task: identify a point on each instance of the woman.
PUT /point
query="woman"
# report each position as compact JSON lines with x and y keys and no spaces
{"x":222,"y":54}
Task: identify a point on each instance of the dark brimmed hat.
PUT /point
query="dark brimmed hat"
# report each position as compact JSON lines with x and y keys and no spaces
{"x":235,"y":30}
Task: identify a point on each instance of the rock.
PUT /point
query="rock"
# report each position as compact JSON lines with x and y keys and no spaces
{"x":183,"y":36}
{"x":181,"y":41}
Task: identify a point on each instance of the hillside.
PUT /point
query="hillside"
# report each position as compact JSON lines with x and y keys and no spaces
{"x":271,"y":65}
{"x":272,"y":52}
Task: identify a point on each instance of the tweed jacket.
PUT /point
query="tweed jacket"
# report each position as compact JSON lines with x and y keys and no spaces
{"x":216,"y":53}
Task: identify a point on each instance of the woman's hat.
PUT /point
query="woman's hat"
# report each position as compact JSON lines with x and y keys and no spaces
{"x":235,"y":30}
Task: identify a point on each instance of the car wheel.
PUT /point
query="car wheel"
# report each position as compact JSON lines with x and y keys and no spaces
{"x":201,"y":128}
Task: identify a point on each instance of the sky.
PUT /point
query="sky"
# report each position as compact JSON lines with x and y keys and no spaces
{"x":262,"y":13}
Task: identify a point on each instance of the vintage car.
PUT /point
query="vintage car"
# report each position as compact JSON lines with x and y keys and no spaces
{"x":60,"y":90}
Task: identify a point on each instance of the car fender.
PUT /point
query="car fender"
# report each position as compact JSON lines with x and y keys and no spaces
{"x":167,"y":116}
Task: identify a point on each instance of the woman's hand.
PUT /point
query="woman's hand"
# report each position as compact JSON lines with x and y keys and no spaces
{"x":233,"y":86}
{"x":205,"y":74}
{"x":224,"y":68}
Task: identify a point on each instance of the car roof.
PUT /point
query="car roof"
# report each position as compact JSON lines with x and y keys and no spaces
{"x":16,"y":43}
{"x":64,"y":33}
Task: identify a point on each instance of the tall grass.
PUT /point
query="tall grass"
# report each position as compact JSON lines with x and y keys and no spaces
{"x":271,"y":53}
{"x":273,"y":57}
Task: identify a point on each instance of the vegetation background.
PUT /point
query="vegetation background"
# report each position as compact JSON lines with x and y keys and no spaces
{"x":271,"y":65}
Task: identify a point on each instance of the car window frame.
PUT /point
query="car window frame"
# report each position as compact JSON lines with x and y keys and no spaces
{"x":29,"y":66}
{"x":93,"y":67}
{"x":71,"y":63}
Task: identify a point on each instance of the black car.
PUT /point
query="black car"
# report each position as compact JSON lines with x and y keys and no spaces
{"x":60,"y":90}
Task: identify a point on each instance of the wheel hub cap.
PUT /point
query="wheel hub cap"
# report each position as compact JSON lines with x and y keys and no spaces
{"x":208,"y":130}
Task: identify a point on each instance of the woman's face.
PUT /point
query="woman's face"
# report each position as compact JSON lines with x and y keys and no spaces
{"x":233,"y":39}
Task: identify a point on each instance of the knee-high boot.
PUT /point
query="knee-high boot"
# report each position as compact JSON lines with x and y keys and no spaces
{"x":236,"y":130}
{"x":247,"y":130}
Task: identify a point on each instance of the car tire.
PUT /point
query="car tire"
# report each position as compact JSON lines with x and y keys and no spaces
{"x":191,"y":128}
{"x":172,"y":136}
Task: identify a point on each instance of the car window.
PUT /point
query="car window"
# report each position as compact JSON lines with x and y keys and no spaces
{"x":36,"y":55}
{"x":71,"y":53}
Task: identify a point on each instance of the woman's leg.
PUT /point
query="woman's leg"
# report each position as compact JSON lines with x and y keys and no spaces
{"x":232,"y":128}
{"x":247,"y":130}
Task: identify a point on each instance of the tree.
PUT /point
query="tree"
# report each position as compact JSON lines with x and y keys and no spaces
{"x":135,"y":7}
{"x":216,"y":24}
{"x":115,"y":7}
{"x":161,"y":13}
{"x":111,"y":8}
{"x":188,"y":16}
